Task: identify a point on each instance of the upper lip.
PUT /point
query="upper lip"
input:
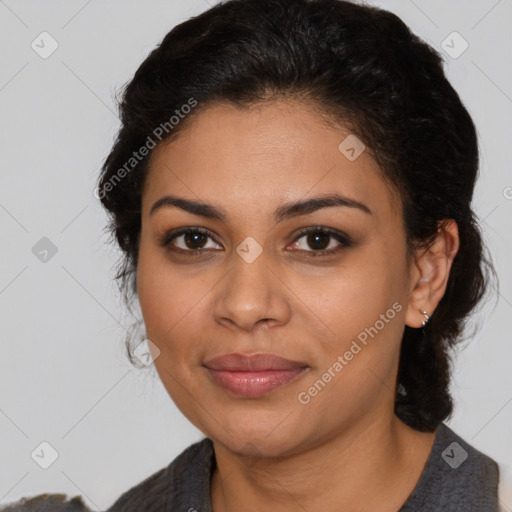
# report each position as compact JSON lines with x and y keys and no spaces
{"x":255,"y":362}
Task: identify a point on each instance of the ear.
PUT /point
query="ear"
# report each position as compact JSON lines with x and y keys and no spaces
{"x":430,"y":272}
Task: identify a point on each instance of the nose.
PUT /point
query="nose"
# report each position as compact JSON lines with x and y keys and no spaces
{"x":251,"y":294}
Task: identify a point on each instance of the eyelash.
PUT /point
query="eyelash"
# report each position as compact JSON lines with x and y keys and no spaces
{"x":345,"y":242}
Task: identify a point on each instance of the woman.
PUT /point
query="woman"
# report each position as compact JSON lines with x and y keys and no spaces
{"x":291,"y":189}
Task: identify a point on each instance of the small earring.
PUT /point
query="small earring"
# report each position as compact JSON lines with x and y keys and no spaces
{"x":424,"y":313}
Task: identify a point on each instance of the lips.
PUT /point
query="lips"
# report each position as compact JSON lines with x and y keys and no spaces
{"x":254,"y":375}
{"x":253,"y":363}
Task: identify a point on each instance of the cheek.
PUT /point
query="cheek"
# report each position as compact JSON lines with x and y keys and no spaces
{"x":170,"y":307}
{"x":364,"y":291}
{"x":357,"y":365}
{"x":174,"y":305}
{"x":161,"y":297}
{"x":366,"y":308}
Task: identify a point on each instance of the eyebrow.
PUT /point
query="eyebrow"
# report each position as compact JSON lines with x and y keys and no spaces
{"x":286,"y":211}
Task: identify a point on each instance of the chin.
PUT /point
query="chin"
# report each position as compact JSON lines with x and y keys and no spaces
{"x":257,"y":448}
{"x":270,"y":437}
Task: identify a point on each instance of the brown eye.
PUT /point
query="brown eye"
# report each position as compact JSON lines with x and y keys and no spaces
{"x":195,"y":239}
{"x":318,"y":240}
{"x":322,"y":241}
{"x":192,"y":240}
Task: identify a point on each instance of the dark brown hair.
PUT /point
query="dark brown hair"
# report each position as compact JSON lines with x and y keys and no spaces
{"x":363,"y":66}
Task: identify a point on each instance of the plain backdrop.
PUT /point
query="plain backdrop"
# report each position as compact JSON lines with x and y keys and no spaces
{"x":64,"y":376}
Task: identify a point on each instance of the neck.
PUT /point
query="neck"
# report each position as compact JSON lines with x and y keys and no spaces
{"x":372,"y":466}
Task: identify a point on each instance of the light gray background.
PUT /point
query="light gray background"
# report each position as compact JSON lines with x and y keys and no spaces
{"x":64,"y":377}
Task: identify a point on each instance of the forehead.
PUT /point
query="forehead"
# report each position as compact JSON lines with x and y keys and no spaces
{"x":272,"y":152}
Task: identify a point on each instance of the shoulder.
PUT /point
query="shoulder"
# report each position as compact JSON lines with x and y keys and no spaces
{"x":47,"y":503}
{"x":456,"y":477}
{"x":184,"y":484}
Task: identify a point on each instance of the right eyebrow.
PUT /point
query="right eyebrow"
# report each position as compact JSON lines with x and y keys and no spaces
{"x":202,"y":209}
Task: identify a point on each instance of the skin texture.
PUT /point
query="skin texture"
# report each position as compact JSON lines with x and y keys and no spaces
{"x":345,"y":448}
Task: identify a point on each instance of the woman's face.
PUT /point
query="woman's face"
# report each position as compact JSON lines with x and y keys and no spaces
{"x":332,"y":302}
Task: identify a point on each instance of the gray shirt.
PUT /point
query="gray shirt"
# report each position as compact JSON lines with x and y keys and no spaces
{"x":456,"y":478}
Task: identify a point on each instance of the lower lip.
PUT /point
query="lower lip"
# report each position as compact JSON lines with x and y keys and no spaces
{"x":253,"y":384}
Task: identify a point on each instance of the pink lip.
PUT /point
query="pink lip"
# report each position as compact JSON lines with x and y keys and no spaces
{"x":253,"y":375}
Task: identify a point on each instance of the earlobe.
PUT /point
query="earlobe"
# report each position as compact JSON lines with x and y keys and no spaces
{"x":430,"y":273}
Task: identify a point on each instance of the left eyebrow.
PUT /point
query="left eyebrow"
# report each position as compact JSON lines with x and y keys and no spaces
{"x":283,"y":212}
{"x":310,"y":205}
